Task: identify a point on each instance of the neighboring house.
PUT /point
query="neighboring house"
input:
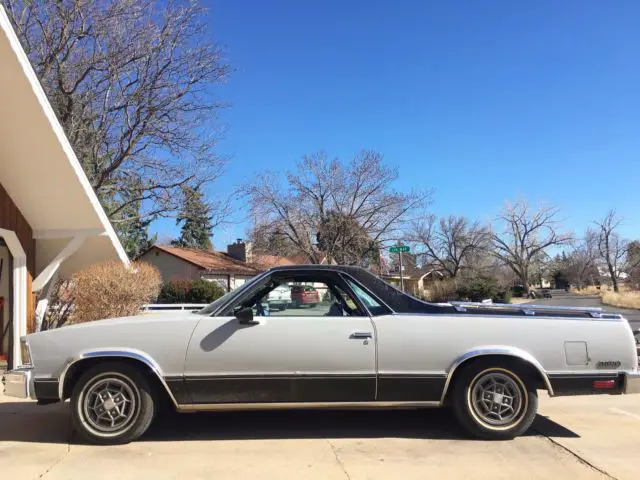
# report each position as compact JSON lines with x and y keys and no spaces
{"x":603,"y":271}
{"x":191,"y":264}
{"x":230,"y":269}
{"x":51,"y":223}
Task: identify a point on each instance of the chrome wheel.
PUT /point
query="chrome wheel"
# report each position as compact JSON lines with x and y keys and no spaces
{"x":110,"y":404}
{"x":497,"y":399}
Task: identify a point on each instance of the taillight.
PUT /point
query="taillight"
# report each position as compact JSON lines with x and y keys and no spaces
{"x":604,"y":384}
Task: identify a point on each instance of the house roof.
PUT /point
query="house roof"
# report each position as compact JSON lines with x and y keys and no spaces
{"x":268,"y":261}
{"x":39,"y":169}
{"x":211,"y":261}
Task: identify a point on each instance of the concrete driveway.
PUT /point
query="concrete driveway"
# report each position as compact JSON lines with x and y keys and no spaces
{"x":573,"y":437}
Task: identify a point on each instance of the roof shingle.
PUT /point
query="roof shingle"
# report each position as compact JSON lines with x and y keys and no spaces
{"x":211,"y":261}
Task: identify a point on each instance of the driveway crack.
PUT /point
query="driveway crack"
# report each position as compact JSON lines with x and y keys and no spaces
{"x":60,"y":459}
{"x":577,"y":456}
{"x":338,"y":461}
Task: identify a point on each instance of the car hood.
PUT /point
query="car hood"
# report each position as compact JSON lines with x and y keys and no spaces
{"x":144,"y":318}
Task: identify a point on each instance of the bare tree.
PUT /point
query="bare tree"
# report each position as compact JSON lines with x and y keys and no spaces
{"x":450,"y":244}
{"x":329,"y":209}
{"x":132,"y":83}
{"x":525,"y":237}
{"x":633,"y":263}
{"x":582,"y":261}
{"x":611,"y":246}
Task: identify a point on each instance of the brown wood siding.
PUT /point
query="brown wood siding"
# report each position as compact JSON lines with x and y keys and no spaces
{"x":12,"y":219}
{"x":32,"y":300}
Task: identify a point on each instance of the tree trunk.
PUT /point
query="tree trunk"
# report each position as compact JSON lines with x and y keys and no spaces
{"x":614,"y":279}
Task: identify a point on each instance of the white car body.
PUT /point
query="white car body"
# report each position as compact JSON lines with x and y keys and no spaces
{"x":394,"y":351}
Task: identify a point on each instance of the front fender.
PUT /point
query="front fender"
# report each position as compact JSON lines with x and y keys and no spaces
{"x":127,"y":353}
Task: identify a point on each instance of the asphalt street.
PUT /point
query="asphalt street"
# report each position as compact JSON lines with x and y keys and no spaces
{"x":560,"y":297}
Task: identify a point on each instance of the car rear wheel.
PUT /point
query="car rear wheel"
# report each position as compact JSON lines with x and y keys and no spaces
{"x":494,"y":402}
{"x":112,"y":403}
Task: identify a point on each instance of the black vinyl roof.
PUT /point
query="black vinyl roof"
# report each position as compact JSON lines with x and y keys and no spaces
{"x":395,"y":299}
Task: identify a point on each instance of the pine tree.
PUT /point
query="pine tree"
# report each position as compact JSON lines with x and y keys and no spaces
{"x":134,"y":236}
{"x":195,"y":217}
{"x":130,"y":225}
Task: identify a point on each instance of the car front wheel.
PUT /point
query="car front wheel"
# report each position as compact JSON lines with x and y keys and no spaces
{"x":112,"y":403}
{"x":494,"y":402}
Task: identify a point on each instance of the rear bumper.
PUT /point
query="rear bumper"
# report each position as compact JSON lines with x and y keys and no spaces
{"x":18,"y":383}
{"x":279,"y":303}
{"x":631,"y":383}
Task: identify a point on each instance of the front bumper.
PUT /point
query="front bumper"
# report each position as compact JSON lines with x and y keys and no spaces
{"x":631,"y":383}
{"x":18,"y":383}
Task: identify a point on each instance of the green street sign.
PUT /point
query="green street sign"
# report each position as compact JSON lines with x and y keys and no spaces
{"x":401,"y":249}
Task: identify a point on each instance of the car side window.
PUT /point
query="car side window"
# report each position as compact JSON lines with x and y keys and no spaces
{"x":306,"y":298}
{"x":374,"y":307}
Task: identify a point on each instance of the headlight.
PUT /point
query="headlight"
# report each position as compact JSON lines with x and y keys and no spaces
{"x":25,"y":352}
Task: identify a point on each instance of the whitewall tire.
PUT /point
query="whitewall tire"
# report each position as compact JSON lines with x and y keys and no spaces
{"x":494,"y":401}
{"x":112,"y":403}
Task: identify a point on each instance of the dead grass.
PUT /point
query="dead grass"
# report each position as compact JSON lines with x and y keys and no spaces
{"x":629,"y":299}
{"x":591,"y":290}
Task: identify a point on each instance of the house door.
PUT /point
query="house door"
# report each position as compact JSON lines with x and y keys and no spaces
{"x":6,"y":295}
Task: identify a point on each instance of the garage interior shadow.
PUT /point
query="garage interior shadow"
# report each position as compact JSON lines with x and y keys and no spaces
{"x":27,"y":422}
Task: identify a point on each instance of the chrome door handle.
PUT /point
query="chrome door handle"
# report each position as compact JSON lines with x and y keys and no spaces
{"x":361,"y":335}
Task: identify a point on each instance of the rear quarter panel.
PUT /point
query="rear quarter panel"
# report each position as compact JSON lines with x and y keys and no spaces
{"x":421,"y":344}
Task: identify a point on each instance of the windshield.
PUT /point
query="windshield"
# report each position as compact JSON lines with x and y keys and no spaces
{"x":213,"y":306}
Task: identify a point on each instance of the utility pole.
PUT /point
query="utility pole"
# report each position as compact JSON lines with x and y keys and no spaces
{"x":399,"y":249}
{"x":401,"y":272}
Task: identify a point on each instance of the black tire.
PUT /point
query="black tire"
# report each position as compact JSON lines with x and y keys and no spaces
{"x":471,"y":417}
{"x":142,"y":405}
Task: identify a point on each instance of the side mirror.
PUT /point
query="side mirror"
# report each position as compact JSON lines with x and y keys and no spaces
{"x":245,"y":316}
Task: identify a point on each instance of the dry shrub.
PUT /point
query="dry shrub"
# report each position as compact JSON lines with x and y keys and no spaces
{"x":110,"y":289}
{"x":628,"y":299}
{"x":441,"y":291}
{"x":61,"y":305}
{"x":591,"y":290}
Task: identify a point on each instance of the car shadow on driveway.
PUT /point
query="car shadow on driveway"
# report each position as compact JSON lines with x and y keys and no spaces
{"x":27,"y":422}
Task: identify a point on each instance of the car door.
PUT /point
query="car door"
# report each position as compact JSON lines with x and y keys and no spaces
{"x":322,"y":352}
{"x":409,"y":352}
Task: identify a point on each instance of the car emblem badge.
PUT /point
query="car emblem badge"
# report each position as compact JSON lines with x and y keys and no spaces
{"x":609,"y":364}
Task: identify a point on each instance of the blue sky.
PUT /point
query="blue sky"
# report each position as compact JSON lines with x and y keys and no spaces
{"x":482,"y":101}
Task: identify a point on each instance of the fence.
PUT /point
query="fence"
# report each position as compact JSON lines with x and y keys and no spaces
{"x":154,"y":307}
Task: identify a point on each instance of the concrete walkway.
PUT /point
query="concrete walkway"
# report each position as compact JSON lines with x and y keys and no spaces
{"x":575,"y":437}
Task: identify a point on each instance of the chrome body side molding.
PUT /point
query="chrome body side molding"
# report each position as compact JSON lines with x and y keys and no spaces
{"x":496,"y":350}
{"x":197,"y":407}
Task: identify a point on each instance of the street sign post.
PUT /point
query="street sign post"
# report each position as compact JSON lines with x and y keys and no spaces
{"x":399,"y":249}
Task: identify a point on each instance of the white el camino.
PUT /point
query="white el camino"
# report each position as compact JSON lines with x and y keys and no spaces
{"x":365,"y":344}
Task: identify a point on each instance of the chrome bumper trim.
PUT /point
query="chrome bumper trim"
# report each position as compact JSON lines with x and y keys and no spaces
{"x":631,"y":383}
{"x":18,"y":383}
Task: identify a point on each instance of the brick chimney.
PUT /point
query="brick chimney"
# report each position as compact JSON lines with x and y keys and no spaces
{"x":240,"y":250}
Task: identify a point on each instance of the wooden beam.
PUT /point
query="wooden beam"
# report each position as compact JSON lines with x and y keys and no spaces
{"x":47,"y":273}
{"x":67,"y":233}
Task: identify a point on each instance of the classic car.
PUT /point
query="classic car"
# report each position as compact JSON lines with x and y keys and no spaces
{"x":304,"y":295}
{"x":279,"y":298}
{"x":366,"y":344}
